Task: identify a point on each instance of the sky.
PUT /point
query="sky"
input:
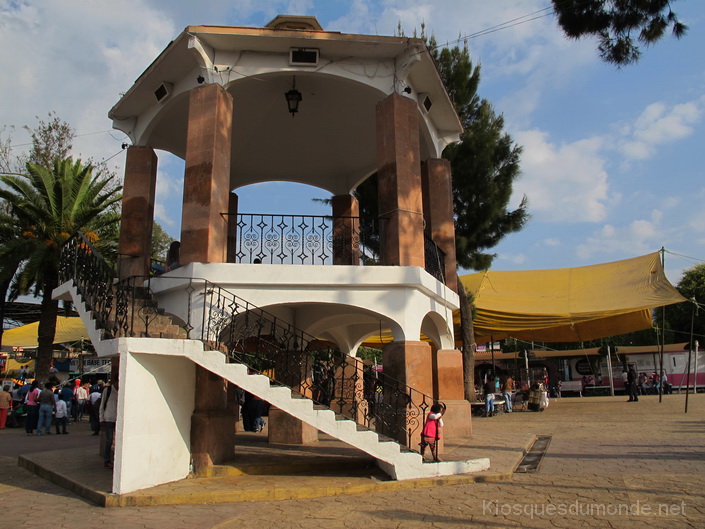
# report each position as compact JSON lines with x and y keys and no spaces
{"x":612,"y":161}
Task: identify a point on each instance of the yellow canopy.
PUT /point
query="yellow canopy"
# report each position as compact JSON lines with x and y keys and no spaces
{"x":570,"y":304}
{"x":67,"y":330}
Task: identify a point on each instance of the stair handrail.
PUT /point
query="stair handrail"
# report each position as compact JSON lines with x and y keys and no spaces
{"x":247,"y":334}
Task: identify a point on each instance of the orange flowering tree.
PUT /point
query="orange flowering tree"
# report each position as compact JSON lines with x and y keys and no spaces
{"x":41,"y":210}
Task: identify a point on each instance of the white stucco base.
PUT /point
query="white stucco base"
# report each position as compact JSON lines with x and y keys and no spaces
{"x":156,"y":401}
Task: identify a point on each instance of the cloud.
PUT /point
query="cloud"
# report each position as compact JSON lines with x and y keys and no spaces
{"x":660,"y":124}
{"x":636,"y":238}
{"x":169,"y":192}
{"x":564,"y":183}
{"x":75,"y":58}
{"x":516,"y":259}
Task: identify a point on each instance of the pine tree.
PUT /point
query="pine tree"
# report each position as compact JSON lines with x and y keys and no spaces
{"x":616,"y":22}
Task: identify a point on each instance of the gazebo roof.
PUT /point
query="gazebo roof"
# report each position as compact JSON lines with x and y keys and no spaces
{"x":331,"y":141}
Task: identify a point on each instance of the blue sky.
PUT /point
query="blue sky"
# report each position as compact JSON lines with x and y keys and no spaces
{"x":613,"y":159}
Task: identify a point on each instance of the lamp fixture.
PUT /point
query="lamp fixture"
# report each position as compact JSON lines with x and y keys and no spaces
{"x":293,"y":98}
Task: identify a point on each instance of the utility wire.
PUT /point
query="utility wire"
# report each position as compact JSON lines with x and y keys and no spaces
{"x":75,"y":136}
{"x":684,"y":256}
{"x":529,"y":17}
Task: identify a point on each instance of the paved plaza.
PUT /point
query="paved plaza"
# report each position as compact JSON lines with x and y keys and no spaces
{"x":609,"y":463}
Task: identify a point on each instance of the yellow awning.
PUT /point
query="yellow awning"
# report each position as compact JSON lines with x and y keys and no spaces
{"x":67,"y":330}
{"x":570,"y":304}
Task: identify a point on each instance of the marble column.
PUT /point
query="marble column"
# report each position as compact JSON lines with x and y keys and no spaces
{"x":135,"y":244}
{"x":399,"y":179}
{"x":346,"y":230}
{"x":204,"y":227}
{"x":438,"y":212}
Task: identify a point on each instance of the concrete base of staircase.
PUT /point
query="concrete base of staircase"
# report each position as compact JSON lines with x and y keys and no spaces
{"x":259,"y":472}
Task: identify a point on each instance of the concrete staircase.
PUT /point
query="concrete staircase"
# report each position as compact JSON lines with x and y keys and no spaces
{"x":396,"y":461}
{"x":392,"y":458}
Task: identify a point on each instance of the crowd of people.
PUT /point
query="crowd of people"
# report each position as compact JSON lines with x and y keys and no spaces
{"x":39,"y":406}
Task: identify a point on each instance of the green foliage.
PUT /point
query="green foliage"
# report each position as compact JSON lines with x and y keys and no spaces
{"x":51,"y":140}
{"x":370,"y":353}
{"x":43,"y":209}
{"x":160,"y":242}
{"x":48,"y":205}
{"x":484,"y":164}
{"x":620,"y":25}
{"x":680,"y":316}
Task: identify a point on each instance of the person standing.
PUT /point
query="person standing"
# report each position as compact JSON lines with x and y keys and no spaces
{"x":31,"y":407}
{"x":66,"y":394}
{"x":632,"y":384}
{"x":665,"y":384}
{"x":94,"y":408}
{"x":431,"y":434}
{"x":108,"y":418}
{"x":5,"y":404}
{"x":507,"y":389}
{"x":489,"y":397}
{"x":61,"y":416}
{"x":81,"y":397}
{"x":47,"y":405}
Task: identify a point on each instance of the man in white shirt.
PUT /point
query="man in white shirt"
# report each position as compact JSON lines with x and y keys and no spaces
{"x":81,"y":397}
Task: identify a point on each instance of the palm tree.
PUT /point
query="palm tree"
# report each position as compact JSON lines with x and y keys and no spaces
{"x":44,"y":208}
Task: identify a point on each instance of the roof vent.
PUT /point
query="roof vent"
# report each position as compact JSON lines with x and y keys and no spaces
{"x":425,"y":102}
{"x":303,"y":57}
{"x":163,"y":91}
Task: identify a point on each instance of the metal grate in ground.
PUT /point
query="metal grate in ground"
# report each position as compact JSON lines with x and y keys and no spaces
{"x":532,"y":460}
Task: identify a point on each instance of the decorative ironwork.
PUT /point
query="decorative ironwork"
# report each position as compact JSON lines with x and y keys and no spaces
{"x":306,"y":239}
{"x":434,"y":259}
{"x":252,"y":336}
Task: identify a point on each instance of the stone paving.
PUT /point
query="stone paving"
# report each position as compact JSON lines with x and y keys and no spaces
{"x":609,"y":464}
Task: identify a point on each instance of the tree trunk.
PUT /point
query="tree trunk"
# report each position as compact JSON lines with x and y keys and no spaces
{"x":47,"y":329}
{"x":468,"y":337}
{"x":4,"y":287}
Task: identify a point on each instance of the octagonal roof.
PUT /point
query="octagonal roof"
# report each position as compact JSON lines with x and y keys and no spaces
{"x":330,"y":143}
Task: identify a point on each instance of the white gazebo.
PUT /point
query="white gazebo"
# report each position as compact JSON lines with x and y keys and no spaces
{"x":287,"y":102}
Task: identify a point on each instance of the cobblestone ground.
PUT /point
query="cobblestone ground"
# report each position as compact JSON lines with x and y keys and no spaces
{"x":609,"y":464}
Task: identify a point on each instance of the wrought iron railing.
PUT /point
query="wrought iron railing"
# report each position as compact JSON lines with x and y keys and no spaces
{"x":306,"y":239}
{"x":434,"y":259}
{"x":249,"y":335}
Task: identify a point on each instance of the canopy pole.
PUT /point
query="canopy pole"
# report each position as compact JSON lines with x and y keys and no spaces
{"x":492,"y":350}
{"x":663,"y":333}
{"x":690,"y":353}
{"x":609,"y":370}
{"x":695,"y":370}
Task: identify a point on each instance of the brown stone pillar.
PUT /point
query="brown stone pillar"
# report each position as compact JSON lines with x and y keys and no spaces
{"x":409,"y":363}
{"x":346,"y":230}
{"x":399,"y":177}
{"x":293,"y":369}
{"x":232,"y":227}
{"x":212,"y":422}
{"x":135,"y":246}
{"x":285,"y":429}
{"x":438,"y":212}
{"x":207,"y":176}
{"x":449,"y":387}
